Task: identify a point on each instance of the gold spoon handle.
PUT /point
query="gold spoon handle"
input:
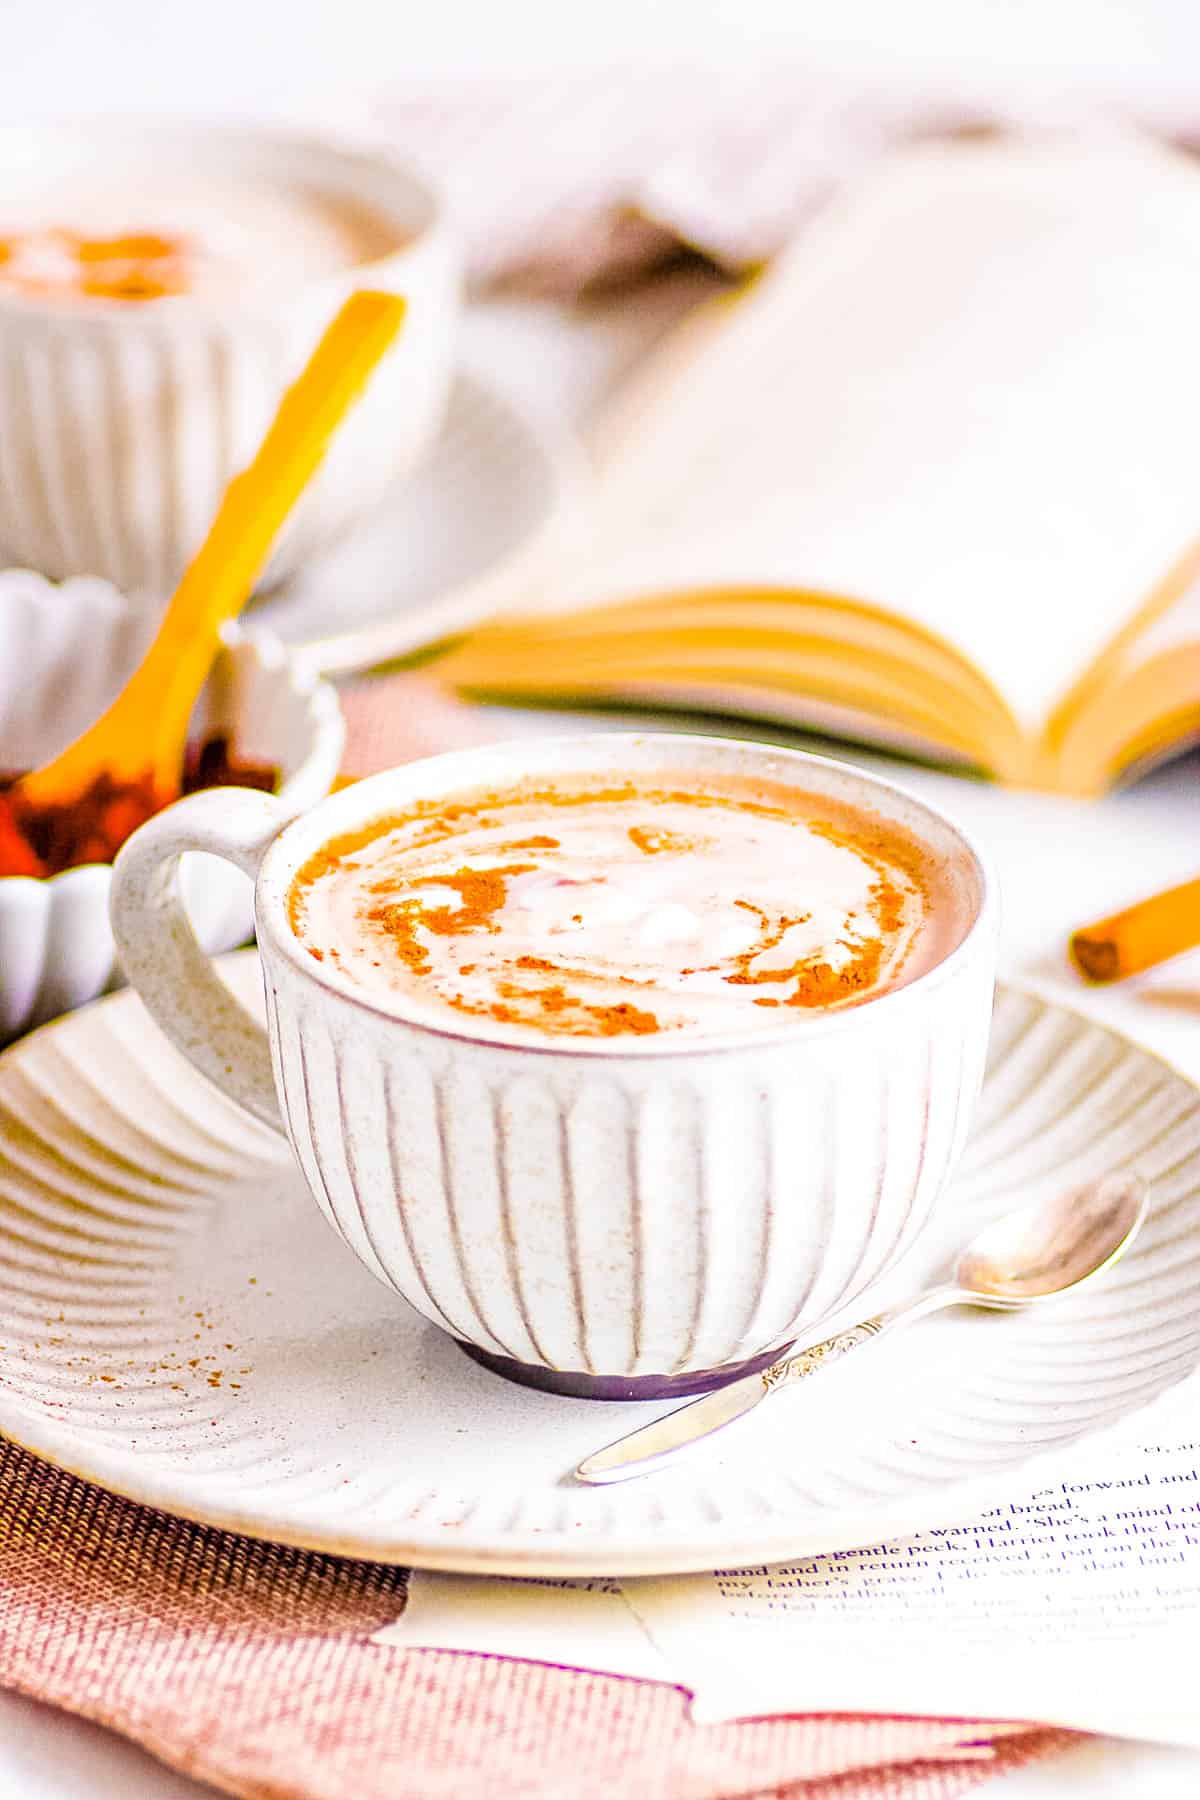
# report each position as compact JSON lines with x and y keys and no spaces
{"x":652,"y":1445}
{"x":818,"y":1356}
{"x":144,"y":730}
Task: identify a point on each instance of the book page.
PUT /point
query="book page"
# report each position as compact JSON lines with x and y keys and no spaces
{"x":969,"y":395}
{"x":1177,"y":628}
{"x":577,"y":1624}
{"x":1076,"y":1602}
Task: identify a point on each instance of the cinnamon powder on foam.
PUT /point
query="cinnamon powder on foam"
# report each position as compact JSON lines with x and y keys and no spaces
{"x":548,"y":1004}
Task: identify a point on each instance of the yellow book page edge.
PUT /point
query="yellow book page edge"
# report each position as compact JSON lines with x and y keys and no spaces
{"x":1133,"y":722}
{"x":1179,"y":578}
{"x":920,"y":683}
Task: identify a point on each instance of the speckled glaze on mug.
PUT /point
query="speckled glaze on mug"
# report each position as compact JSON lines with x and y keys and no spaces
{"x":597,"y":1217}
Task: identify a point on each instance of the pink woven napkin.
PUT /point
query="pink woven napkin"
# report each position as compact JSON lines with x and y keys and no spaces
{"x":394,"y":719}
{"x":250,"y":1666}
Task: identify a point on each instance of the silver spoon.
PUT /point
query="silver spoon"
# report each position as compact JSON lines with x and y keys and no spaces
{"x":1031,"y":1255}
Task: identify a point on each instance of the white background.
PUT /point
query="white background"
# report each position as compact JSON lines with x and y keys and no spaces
{"x":273,"y":55}
{"x":1058,"y":864}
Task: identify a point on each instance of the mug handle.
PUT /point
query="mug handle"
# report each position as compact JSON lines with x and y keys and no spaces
{"x":158,"y":948}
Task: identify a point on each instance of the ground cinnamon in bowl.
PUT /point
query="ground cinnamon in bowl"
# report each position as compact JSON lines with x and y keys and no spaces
{"x":43,"y":841}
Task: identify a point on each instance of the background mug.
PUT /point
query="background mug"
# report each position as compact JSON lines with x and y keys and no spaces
{"x":608,"y":1217}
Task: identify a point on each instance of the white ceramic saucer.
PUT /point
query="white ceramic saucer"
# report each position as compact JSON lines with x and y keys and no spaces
{"x":178,"y":1323}
{"x":446,"y":547}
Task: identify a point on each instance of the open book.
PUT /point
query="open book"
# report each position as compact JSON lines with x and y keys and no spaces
{"x":932,"y":481}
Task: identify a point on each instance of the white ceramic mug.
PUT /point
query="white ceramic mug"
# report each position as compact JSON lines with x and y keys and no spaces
{"x":124,"y":422}
{"x":596,"y":1217}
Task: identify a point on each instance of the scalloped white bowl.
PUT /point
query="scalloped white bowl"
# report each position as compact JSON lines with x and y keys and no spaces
{"x":64,"y":653}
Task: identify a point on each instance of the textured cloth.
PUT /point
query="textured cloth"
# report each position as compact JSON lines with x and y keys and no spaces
{"x":564,"y":185}
{"x":393,"y":719}
{"x":646,"y":160}
{"x":249,"y":1666}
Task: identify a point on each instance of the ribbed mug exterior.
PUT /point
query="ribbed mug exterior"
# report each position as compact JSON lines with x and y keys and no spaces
{"x":629,"y":1218}
{"x":622,"y":1214}
{"x":123,"y":424}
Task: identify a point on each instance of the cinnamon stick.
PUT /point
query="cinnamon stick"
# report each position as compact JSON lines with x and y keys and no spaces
{"x":1140,"y":937}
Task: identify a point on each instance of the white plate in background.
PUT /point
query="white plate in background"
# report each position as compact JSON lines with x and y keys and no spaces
{"x":448,"y":546}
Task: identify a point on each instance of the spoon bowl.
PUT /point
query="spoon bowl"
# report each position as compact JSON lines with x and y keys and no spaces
{"x":1046,"y":1249}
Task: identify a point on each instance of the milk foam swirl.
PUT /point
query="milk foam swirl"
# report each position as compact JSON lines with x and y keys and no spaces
{"x":621,"y":909}
{"x":171,"y":231}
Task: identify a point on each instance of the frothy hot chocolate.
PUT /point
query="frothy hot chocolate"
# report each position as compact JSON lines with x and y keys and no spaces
{"x":624,"y":907}
{"x":175,"y":232}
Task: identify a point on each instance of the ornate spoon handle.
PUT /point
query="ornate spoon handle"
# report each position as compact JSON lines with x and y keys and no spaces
{"x":655,"y":1444}
{"x":819,"y":1356}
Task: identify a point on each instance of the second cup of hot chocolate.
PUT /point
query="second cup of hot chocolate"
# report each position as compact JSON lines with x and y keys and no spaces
{"x":625,"y":1060}
{"x":160,"y":285}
